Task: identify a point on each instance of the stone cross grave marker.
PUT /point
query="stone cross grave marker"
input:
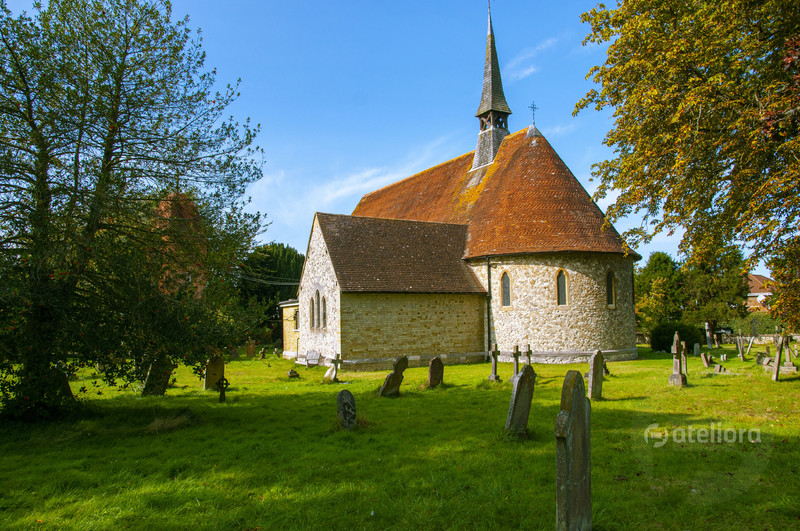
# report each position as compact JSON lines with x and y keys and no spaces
{"x":332,"y":374}
{"x":782,"y":348}
{"x":346,"y":409}
{"x":677,"y":378}
{"x":529,"y":353}
{"x":516,"y":360}
{"x":596,"y":363}
{"x":520,"y":407}
{"x":435,"y":372}
{"x":391,"y":386}
{"x":573,"y":456}
{"x":215,"y":369}
{"x":493,"y":377}
{"x":684,"y":352}
{"x":223,"y":385}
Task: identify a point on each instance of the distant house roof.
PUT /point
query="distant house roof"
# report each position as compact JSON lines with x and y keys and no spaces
{"x":397,"y":256}
{"x":758,"y":285}
{"x":526,"y":201}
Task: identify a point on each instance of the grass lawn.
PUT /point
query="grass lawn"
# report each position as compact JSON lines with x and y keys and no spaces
{"x":273,"y":457}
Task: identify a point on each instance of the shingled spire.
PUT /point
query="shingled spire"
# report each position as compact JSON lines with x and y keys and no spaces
{"x":493,"y":111}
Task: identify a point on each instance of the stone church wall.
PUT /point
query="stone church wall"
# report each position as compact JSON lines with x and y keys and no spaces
{"x":562,"y":333}
{"x":319,"y":276}
{"x":380,"y":327}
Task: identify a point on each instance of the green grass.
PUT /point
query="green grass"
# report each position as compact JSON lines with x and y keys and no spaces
{"x":273,"y":457}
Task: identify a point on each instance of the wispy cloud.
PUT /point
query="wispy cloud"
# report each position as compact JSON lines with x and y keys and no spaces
{"x":560,"y":129}
{"x":519,"y":67}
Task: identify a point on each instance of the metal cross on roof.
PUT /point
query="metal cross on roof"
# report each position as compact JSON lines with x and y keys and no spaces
{"x":533,"y":109}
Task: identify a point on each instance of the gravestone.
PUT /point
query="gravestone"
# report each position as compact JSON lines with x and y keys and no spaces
{"x":215,"y":369}
{"x":435,"y":372}
{"x":293,"y":374}
{"x":705,"y":360}
{"x":346,"y":409}
{"x":222,"y":385}
{"x":250,"y":348}
{"x":516,"y":360}
{"x":520,"y":407}
{"x":573,"y":456}
{"x":332,"y":374}
{"x":677,"y":378}
{"x":697,"y":349}
{"x":528,"y":354}
{"x":782,"y":347}
{"x":684,"y":352}
{"x":596,"y":375}
{"x":719,"y":369}
{"x":391,"y":386}
{"x":493,"y":377}
{"x":233,"y":353}
{"x":158,"y":376}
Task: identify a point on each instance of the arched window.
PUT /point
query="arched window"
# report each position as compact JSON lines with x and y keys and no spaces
{"x":316,"y":296}
{"x":324,"y":314}
{"x":505,"y":282}
{"x":311,"y":320}
{"x":561,"y":281}
{"x":611,"y":298}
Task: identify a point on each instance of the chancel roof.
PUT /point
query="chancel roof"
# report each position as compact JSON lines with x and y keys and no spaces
{"x":526,"y":201}
{"x":398,"y":256}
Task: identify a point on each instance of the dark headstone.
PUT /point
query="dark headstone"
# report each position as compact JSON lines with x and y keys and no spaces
{"x":596,"y":376}
{"x":573,"y":456}
{"x":516,"y":360}
{"x":215,"y":369}
{"x":528,"y":354}
{"x":222,"y":385}
{"x":391,"y":386}
{"x":777,"y":371}
{"x":233,"y":353}
{"x":346,"y":409}
{"x":435,"y":372}
{"x":494,"y":354}
{"x":677,"y":378}
{"x":293,"y":374}
{"x":520,"y":407}
{"x":697,"y":349}
{"x":158,"y":376}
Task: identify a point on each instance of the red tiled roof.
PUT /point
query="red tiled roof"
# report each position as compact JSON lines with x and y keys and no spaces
{"x":526,"y":201}
{"x":757,"y":284}
{"x":386,"y":255}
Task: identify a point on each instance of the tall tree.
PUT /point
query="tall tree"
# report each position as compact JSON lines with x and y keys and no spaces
{"x":105,"y":110}
{"x":659,"y":291}
{"x":706,"y":99}
{"x":785,"y":299}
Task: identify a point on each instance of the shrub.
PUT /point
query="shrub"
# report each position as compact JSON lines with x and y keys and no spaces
{"x":662,"y":335}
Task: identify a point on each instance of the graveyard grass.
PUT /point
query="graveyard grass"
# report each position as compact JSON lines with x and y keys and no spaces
{"x":272,"y":457}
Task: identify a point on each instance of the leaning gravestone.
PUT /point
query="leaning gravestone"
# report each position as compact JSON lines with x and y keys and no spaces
{"x":684,"y":350}
{"x":719,"y":369}
{"x":596,"y":376}
{"x":573,"y":456}
{"x":391,"y":386}
{"x":520,"y":407}
{"x":677,"y":378}
{"x":705,"y":360}
{"x":158,"y":376}
{"x":346,"y":409}
{"x":777,"y":369}
{"x":435,"y":372}
{"x":215,"y":369}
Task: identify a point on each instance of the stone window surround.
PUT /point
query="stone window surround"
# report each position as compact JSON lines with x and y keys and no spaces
{"x":505,"y":276}
{"x":566,"y":288}
{"x":610,"y":275}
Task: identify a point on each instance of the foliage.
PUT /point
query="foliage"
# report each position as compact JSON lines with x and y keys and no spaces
{"x":785,"y":299}
{"x":432,"y":459}
{"x":659,"y":291}
{"x":705,"y":98}
{"x":105,"y":113}
{"x":765,"y":324}
{"x":663,"y":334}
{"x":268,"y":275}
{"x":716,"y":287}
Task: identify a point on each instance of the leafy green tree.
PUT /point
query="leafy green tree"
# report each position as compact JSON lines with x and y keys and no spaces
{"x":785,"y":299}
{"x":106,"y":110}
{"x":706,"y":98}
{"x":270,"y":274}
{"x":659,"y":291}
{"x":716,"y":288}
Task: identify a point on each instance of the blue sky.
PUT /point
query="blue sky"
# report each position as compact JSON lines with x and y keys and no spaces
{"x":354,"y":95}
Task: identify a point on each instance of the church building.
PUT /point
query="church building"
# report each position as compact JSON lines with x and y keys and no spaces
{"x":501,"y":246}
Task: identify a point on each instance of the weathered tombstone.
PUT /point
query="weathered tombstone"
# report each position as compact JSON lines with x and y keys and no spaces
{"x":516,"y":360}
{"x":684,"y":350}
{"x":391,"y":386}
{"x":753,"y":325}
{"x":528,"y":354}
{"x":332,"y":374}
{"x":767,"y":354}
{"x":677,"y":378}
{"x":520,"y":407}
{"x":719,"y":369}
{"x":250,"y":348}
{"x":596,"y":375}
{"x":158,"y":376}
{"x":705,"y":360}
{"x":708,"y":335}
{"x":346,"y":409}
{"x":291,"y":373}
{"x":222,"y":385}
{"x":435,"y":372}
{"x":573,"y":456}
{"x":787,"y":366}
{"x":233,"y":353}
{"x":697,"y":349}
{"x":493,"y":377}
{"x":215,"y":369}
